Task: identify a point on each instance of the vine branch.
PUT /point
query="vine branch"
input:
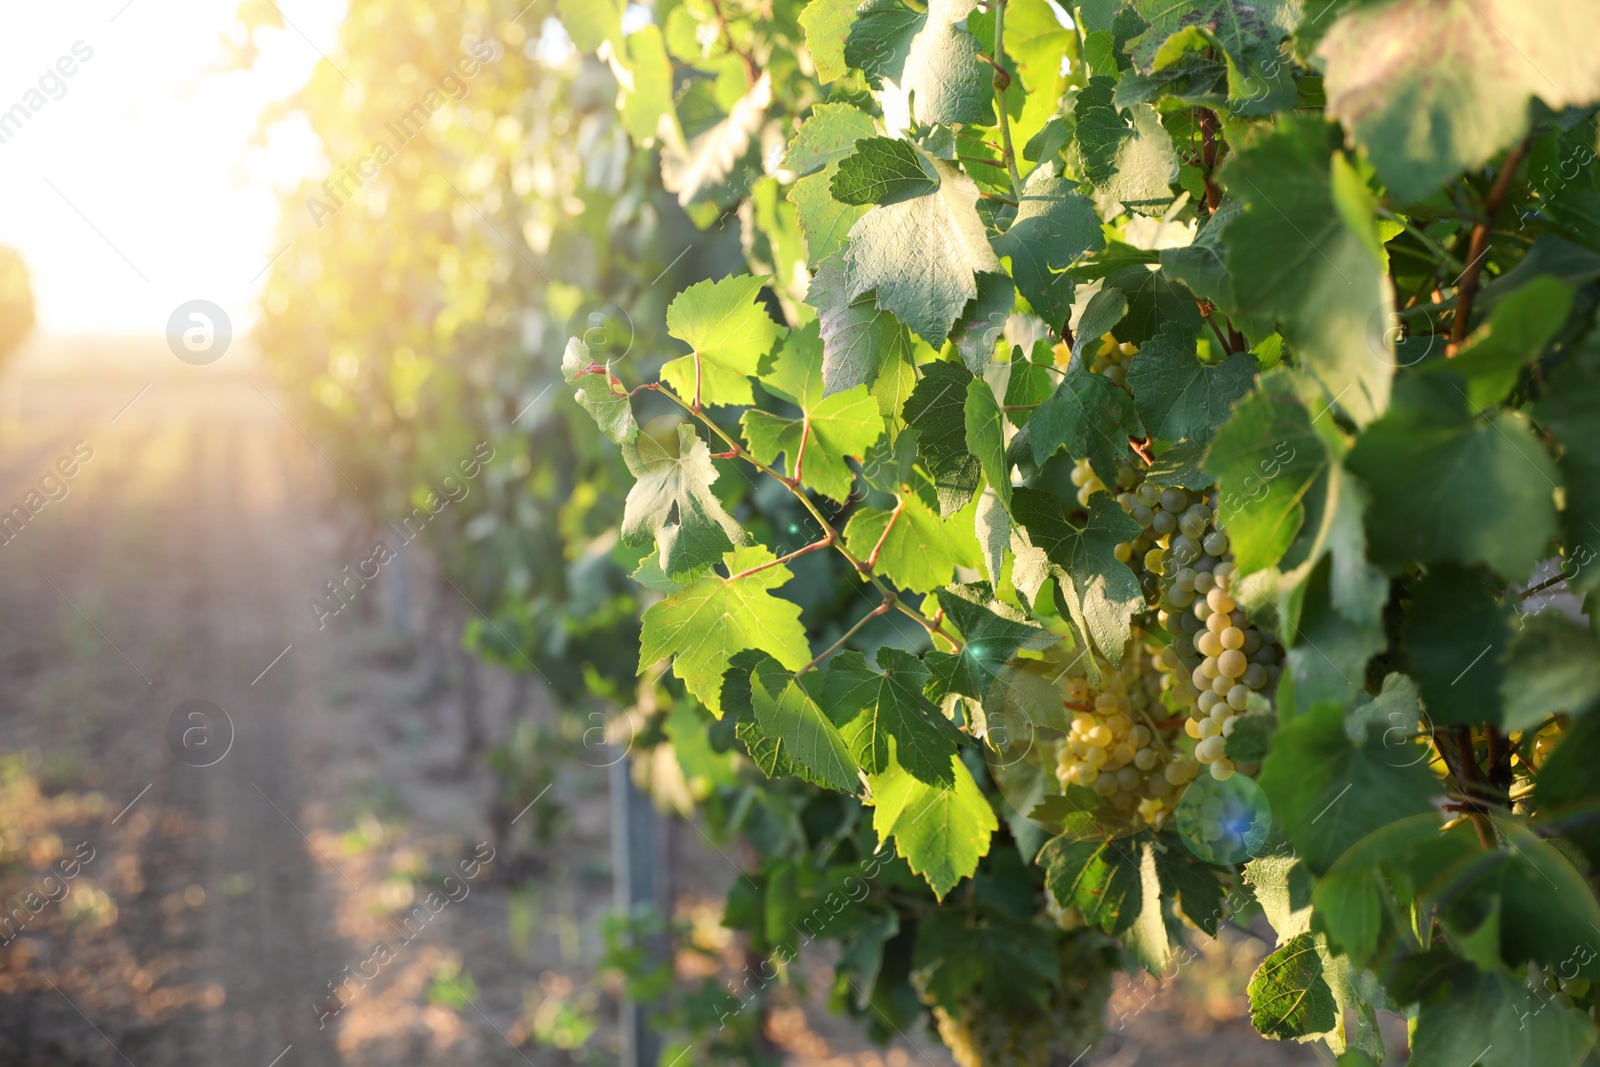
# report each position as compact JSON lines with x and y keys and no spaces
{"x":1478,"y":250}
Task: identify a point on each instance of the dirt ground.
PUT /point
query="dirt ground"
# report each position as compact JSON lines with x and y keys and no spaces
{"x":195,"y":879}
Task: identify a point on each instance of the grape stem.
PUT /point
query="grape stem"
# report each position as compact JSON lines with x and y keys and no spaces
{"x":880,"y":610}
{"x":1478,"y":250}
{"x":1002,"y":79}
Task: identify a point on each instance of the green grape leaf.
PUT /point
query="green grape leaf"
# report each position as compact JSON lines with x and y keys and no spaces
{"x":1452,"y":85}
{"x":599,"y":393}
{"x":828,"y":135}
{"x":858,"y":340}
{"x":1099,"y":317}
{"x":1054,"y":227}
{"x":876,"y":708}
{"x":1104,"y":592}
{"x":915,"y":549}
{"x":1177,"y":396}
{"x":703,"y":625}
{"x":1251,"y":739}
{"x":648,"y":101}
{"x":1283,"y":886}
{"x":1289,"y":997}
{"x":1200,"y":896}
{"x":714,"y":165}
{"x":729,"y":330}
{"x":1247,"y":35}
{"x":986,"y":436}
{"x":1458,"y":633}
{"x":983,"y":321}
{"x":929,"y":56}
{"x":1515,"y":335}
{"x":824,"y":221}
{"x":922,"y":255}
{"x":1554,"y":667}
{"x":1090,"y":416}
{"x":672,"y":505}
{"x":590,"y":24}
{"x":1103,"y":879}
{"x":1567,"y":409}
{"x":993,"y":528}
{"x":1495,"y":1020}
{"x":1451,"y":486}
{"x":1155,"y":303}
{"x":827,"y":25}
{"x":1328,"y":792}
{"x":941,"y":833}
{"x":1265,"y":460}
{"x":1031,"y":381}
{"x":789,"y":713}
{"x":1129,"y":160}
{"x":937,"y":411}
{"x":883,"y":170}
{"x":1348,"y":912}
{"x":1305,"y":253}
{"x":767,"y":752}
{"x":828,"y":430}
{"x":1328,"y":650}
{"x":993,"y":630}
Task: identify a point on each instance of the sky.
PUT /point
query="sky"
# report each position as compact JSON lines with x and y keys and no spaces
{"x":134,"y":188}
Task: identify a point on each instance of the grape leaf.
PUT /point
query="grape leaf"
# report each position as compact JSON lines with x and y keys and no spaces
{"x":1328,"y":792}
{"x":986,"y":436}
{"x":1495,"y":1020}
{"x":1246,"y":34}
{"x":1283,"y":886}
{"x":599,"y":393}
{"x":1104,"y":591}
{"x":672,"y":504}
{"x":1200,"y":895}
{"x":1515,"y":335}
{"x":1451,"y":486}
{"x":929,"y":56}
{"x":1030,"y":382}
{"x":1089,"y":415}
{"x":788,"y":712}
{"x":983,"y":321}
{"x":647,"y":102}
{"x":922,"y":255}
{"x":883,"y":170}
{"x":1103,"y":879}
{"x":1289,"y":998}
{"x":941,"y":833}
{"x":1055,"y":226}
{"x":1554,"y":667}
{"x":1452,"y":85}
{"x":1265,"y":459}
{"x":766,"y":751}
{"x":828,"y":135}
{"x":937,"y":411}
{"x":993,"y":630}
{"x":1179,"y":397}
{"x":1129,"y":160}
{"x":827,"y":24}
{"x":703,"y":625}
{"x":590,"y":24}
{"x":993,"y":527}
{"x":858,"y":340}
{"x":1458,"y":633}
{"x":1311,"y":260}
{"x":828,"y":430}
{"x":706,"y":168}
{"x":1567,"y":409}
{"x":824,"y":221}
{"x":916,"y":550}
{"x":729,"y":331}
{"x":1155,"y":303}
{"x":876,"y":707}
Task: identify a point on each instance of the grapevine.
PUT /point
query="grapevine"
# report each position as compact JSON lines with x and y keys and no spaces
{"x":1113,"y":452}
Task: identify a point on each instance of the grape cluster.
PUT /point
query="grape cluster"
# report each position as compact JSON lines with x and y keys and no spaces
{"x":1112,"y":359}
{"x":1089,"y":483}
{"x":1216,"y":658}
{"x":1115,"y":745}
{"x":1016,"y":1033}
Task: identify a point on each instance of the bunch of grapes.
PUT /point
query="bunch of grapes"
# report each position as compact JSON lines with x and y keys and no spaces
{"x":1116,"y":745}
{"x":1089,"y":483}
{"x":1216,"y":658}
{"x":1111,"y":359}
{"x":1017,"y":1034}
